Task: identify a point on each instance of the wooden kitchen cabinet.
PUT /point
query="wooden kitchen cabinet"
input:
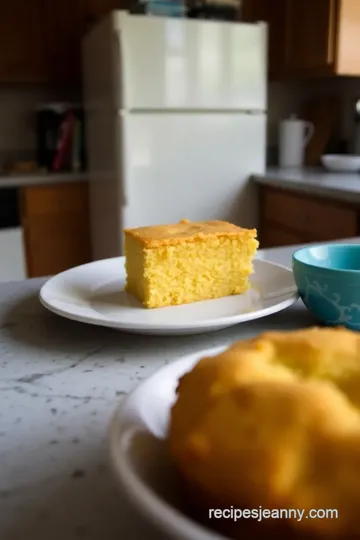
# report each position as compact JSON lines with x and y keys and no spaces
{"x":67,"y":22}
{"x":65,"y":25}
{"x":310,"y":38}
{"x":40,"y":40}
{"x":289,"y":217}
{"x":310,"y":35}
{"x":55,"y":221}
{"x":348,"y":30}
{"x":22,"y":51}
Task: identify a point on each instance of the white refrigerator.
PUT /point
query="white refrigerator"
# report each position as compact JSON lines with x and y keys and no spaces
{"x":175,"y":114}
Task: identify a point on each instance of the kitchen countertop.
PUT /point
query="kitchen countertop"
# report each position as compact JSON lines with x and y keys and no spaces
{"x":60,"y":382}
{"x":316,"y":181}
{"x":36,"y":179}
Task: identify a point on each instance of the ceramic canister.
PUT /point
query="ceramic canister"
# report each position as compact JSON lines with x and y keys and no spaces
{"x":294,"y":135}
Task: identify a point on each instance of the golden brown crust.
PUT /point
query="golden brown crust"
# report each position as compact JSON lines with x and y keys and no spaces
{"x":275,"y":421}
{"x":196,"y":231}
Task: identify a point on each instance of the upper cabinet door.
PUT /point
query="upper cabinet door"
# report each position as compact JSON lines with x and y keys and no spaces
{"x":348,"y":51}
{"x":310,"y":35}
{"x":65,"y":24}
{"x":22,"y":51}
{"x":191,"y":64}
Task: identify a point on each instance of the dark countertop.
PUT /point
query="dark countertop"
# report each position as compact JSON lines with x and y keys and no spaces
{"x":36,"y":179}
{"x":317,"y":182}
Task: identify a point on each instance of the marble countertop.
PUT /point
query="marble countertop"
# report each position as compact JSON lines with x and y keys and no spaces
{"x":36,"y":179}
{"x":318,"y":182}
{"x":60,"y":382}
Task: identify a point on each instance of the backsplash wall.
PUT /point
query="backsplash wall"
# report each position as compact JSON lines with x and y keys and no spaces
{"x":285,"y":98}
{"x":18,"y":106}
{"x":17,"y":116}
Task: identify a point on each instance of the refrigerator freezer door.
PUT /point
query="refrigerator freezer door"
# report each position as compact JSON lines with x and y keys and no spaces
{"x":194,"y":166}
{"x":166,"y":63}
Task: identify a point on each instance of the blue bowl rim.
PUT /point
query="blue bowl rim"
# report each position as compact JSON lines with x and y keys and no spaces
{"x":325,"y":268}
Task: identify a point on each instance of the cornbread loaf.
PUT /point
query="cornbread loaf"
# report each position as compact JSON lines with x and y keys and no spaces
{"x":274,"y":422}
{"x":177,"y":264}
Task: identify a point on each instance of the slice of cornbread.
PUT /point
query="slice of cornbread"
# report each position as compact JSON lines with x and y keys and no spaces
{"x":187,"y":262}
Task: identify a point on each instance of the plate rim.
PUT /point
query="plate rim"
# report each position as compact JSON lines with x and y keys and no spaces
{"x":164,"y":328}
{"x":157,"y":511}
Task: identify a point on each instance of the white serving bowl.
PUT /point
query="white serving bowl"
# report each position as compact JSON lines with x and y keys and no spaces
{"x":138,"y":453}
{"x":341,"y":163}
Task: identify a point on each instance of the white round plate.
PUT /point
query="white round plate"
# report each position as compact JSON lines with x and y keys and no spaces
{"x":138,"y":452}
{"x":94,"y":293}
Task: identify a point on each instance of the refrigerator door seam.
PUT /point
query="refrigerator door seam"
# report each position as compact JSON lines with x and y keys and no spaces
{"x":193,"y":111}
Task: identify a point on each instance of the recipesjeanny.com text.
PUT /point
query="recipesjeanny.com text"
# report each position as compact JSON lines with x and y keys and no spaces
{"x":261,"y":514}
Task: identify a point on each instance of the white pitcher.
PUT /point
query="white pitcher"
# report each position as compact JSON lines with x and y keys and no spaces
{"x":294,"y":136}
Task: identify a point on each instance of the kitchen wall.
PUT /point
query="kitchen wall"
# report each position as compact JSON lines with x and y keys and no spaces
{"x":18,"y":105}
{"x":17,"y":116}
{"x":285,"y":98}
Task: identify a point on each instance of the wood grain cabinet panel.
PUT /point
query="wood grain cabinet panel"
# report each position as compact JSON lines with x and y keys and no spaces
{"x":289,"y":217}
{"x":310,"y":31}
{"x":65,"y":25}
{"x":316,"y":218}
{"x":68,"y":198}
{"x":22,"y":42}
{"x":309,"y":37}
{"x":55,"y":222}
{"x":54,"y":247}
{"x":348,"y":32}
{"x":40,"y":40}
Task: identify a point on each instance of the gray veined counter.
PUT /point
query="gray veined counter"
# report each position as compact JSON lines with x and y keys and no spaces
{"x":60,"y":382}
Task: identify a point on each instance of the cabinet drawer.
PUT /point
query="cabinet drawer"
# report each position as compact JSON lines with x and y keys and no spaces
{"x":55,"y":199}
{"x":55,"y":247}
{"x":320,"y":219}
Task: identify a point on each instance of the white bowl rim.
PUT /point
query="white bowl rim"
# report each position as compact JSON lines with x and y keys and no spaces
{"x":168,"y":518}
{"x":344,"y":157}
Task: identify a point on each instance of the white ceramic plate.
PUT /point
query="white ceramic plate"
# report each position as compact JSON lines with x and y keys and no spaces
{"x":94,"y":293}
{"x":139,"y":457}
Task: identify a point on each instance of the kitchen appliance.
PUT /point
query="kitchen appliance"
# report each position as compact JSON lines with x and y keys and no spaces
{"x":176,"y":122}
{"x":293,"y":137}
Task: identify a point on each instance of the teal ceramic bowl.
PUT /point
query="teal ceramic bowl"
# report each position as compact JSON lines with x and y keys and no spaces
{"x":328,"y":280}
